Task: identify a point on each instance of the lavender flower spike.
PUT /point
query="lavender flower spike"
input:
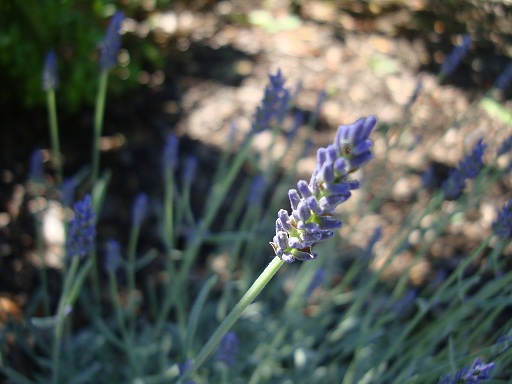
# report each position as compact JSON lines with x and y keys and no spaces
{"x":455,"y":57}
{"x":140,"y":207}
{"x":312,"y":218}
{"x":504,"y":79}
{"x":112,"y":257}
{"x":228,"y":348}
{"x":477,"y":373}
{"x":170,"y":153}
{"x":82,"y":229}
{"x":50,"y":75}
{"x":111,"y":42}
{"x":274,"y":104}
{"x":505,"y":147}
{"x":467,"y":169}
{"x":503,"y":224}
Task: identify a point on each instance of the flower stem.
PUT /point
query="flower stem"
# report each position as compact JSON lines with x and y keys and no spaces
{"x":54,"y":132}
{"x":98,"y":124}
{"x":233,"y":316}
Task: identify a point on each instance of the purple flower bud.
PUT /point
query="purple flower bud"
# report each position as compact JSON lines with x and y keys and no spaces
{"x":82,"y":229}
{"x":468,"y":168}
{"x":294,"y":198}
{"x":310,"y":238}
{"x":321,"y":156}
{"x":314,"y":205}
{"x":475,"y":374}
{"x":455,"y":57}
{"x":330,"y":154}
{"x":274,"y":104}
{"x":361,"y":147}
{"x":111,"y":43}
{"x":228,"y":348}
{"x":303,"y":188}
{"x":190,"y":169}
{"x":257,"y":189}
{"x":284,"y":220}
{"x":340,"y":166}
{"x":502,"y":226}
{"x":281,"y":240}
{"x":309,"y":227}
{"x":139,"y":209}
{"x":68,"y":191}
{"x":326,"y":172}
{"x":170,"y":154}
{"x":338,"y":189}
{"x":288,"y":257}
{"x":112,"y":256}
{"x":295,"y":242}
{"x":50,"y":74}
{"x":505,"y":147}
{"x":316,"y":281}
{"x":329,"y":203}
{"x":36,"y":172}
{"x":327,"y":235}
{"x":304,"y":256}
{"x":360,"y":160}
{"x":325,"y":222}
{"x":503,"y":80}
{"x":303,"y":211}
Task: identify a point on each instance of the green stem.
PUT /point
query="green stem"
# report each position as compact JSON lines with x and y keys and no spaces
{"x":98,"y":124}
{"x":233,"y":316}
{"x":131,"y":271}
{"x":126,"y":337}
{"x":59,"y":327}
{"x":54,"y":132}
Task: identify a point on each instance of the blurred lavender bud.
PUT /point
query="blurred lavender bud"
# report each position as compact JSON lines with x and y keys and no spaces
{"x":50,"y":74}
{"x":36,"y":172}
{"x":311,"y":220}
{"x":298,"y":120}
{"x":503,"y":80}
{"x":455,"y":57}
{"x":468,"y":168}
{"x":316,"y":281}
{"x":274,"y":104}
{"x":228,"y":348}
{"x":190,"y":169}
{"x":111,"y":42}
{"x":68,"y":191}
{"x":376,"y":236}
{"x":478,"y":372}
{"x":405,"y":302}
{"x":256,"y":190}
{"x":319,"y":103}
{"x":82,"y":229}
{"x":139,"y":209}
{"x":112,"y":256}
{"x":502,"y":226}
{"x":503,"y":344}
{"x":505,"y":147}
{"x":416,"y":93}
{"x":183,"y":367}
{"x":170,"y":153}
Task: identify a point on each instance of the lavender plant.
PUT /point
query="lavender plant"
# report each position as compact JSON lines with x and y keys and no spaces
{"x":467,"y":169}
{"x":50,"y":84}
{"x":455,"y":57}
{"x":477,"y":373}
{"x":336,"y":318}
